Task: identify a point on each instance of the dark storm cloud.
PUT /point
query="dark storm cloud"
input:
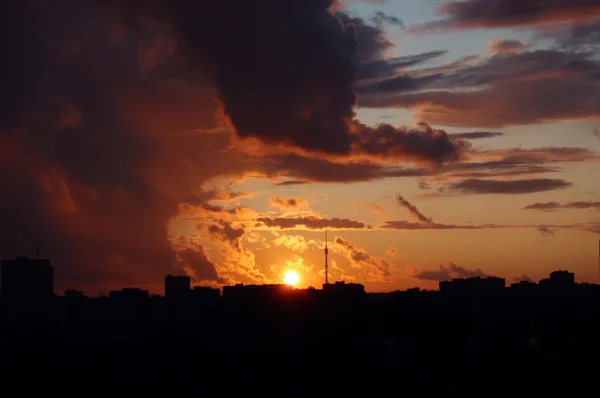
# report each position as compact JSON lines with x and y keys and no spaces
{"x":508,"y":187}
{"x":20,"y":79}
{"x":289,"y":79}
{"x":70,"y":167}
{"x":508,"y":13}
{"x":104,"y":114}
{"x":103,"y":125}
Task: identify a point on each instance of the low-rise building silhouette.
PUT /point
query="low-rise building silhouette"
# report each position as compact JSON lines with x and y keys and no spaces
{"x":27,"y":279}
{"x":524,"y":286}
{"x":129,"y":294}
{"x":475,"y":285}
{"x":73,"y":294}
{"x":205,"y":294}
{"x":241,"y":292}
{"x":344,"y":293}
{"x":559,"y":279}
{"x":353,"y":288}
{"x":177,"y":287}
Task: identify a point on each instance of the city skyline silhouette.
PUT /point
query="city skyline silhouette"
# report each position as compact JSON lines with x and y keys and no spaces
{"x":138,"y":142}
{"x":309,"y":197}
{"x":373,"y":342}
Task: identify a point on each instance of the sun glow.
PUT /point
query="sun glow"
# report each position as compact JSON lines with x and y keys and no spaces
{"x":291,"y":278}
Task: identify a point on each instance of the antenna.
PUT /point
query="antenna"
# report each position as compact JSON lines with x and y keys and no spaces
{"x":599,"y":254}
{"x":326,"y":263}
{"x":37,"y":250}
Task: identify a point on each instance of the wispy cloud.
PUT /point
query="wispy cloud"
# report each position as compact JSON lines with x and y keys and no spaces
{"x":554,"y":206}
{"x":472,"y":14}
{"x":446,"y":273}
{"x":377,"y":268}
{"x":503,"y":46}
{"x":508,"y":187}
{"x":476,"y":135}
{"x":288,"y":204}
{"x":310,"y":223}
{"x":377,"y":210}
{"x":517,"y":87}
{"x":413,"y":210}
{"x":545,"y":231}
{"x":295,"y":243}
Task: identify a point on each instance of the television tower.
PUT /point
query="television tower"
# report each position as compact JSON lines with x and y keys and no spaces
{"x":326,"y":263}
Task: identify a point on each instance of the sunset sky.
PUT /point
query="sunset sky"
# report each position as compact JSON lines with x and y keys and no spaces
{"x":431,"y":139}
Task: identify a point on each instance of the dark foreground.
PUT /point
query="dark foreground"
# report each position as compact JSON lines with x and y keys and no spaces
{"x":450,"y":347}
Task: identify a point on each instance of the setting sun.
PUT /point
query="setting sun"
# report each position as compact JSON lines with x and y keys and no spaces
{"x":291,"y":278}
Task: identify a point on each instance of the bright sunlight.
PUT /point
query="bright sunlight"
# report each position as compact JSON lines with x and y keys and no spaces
{"x":291,"y":278}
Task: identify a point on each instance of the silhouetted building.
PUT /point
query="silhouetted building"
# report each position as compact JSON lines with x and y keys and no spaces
{"x":343,"y":287}
{"x":473,"y":285}
{"x":177,"y":287}
{"x":27,"y":279}
{"x":344,"y":292}
{"x":524,"y":286}
{"x":559,"y":279}
{"x":129,"y":294}
{"x":255,"y":292}
{"x":205,"y":294}
{"x":73,"y":294}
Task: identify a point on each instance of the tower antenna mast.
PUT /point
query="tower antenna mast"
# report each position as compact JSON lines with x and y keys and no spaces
{"x":37,"y":249}
{"x":326,"y":263}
